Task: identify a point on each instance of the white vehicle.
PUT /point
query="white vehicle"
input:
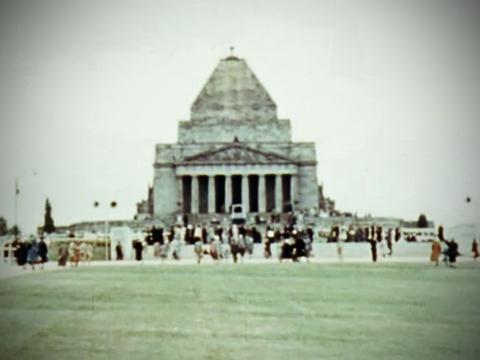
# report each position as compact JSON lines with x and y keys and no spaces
{"x":237,"y":214}
{"x":419,"y":234}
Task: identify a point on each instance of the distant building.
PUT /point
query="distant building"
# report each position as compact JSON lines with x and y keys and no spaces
{"x":233,"y":150}
{"x":145,"y":207}
{"x":325,"y":204}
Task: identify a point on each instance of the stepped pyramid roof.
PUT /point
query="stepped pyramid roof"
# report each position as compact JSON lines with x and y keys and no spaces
{"x":233,"y":92}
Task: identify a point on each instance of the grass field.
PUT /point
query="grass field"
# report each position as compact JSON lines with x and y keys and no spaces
{"x":281,"y":311}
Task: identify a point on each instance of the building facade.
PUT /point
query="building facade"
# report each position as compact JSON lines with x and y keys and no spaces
{"x":233,"y":150}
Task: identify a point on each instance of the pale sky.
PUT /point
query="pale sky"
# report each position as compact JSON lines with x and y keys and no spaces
{"x":388,"y":90}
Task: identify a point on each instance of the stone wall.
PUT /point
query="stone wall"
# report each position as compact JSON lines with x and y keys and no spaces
{"x":164,"y":192}
{"x":298,"y":151}
{"x":328,"y":222}
{"x":307,"y":186}
{"x":226,"y":131}
{"x":171,"y":153}
{"x":170,"y":163}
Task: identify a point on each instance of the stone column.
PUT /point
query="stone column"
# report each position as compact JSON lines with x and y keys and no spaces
{"x":195,"y":192}
{"x":180,"y":193}
{"x":245,"y":194}
{"x":262,"y":195}
{"x":278,"y":193}
{"x":211,"y":194}
{"x":228,"y":192}
{"x":293,"y":190}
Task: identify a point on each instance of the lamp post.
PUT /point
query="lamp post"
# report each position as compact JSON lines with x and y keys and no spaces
{"x":17,"y":192}
{"x":113,"y":204}
{"x":15,"y":214}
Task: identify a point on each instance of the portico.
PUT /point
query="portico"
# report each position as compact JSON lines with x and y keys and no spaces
{"x":215,"y":192}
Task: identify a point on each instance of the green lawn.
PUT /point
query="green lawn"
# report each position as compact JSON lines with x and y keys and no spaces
{"x":280,"y":311}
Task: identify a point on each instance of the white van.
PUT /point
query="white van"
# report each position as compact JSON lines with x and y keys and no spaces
{"x":238,"y":214}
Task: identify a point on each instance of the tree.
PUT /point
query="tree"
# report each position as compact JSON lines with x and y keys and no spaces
{"x":15,"y":231}
{"x":48,"y":225}
{"x":440,"y":233}
{"x":422,"y":221}
{"x":3,"y":226}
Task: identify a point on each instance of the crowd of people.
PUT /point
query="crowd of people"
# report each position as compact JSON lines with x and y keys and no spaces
{"x":449,"y":250}
{"x":235,"y":241}
{"x":74,"y":252}
{"x":29,"y":252}
{"x":32,"y":252}
{"x":291,"y":241}
{"x":223,"y":242}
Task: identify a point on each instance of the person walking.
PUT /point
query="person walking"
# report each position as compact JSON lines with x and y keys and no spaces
{"x":308,"y":247}
{"x":43,"y":251}
{"x":398,"y":234}
{"x":89,"y":253}
{"x":379,"y":236}
{"x":390,"y":242}
{"x":475,"y":253}
{"x":452,"y":252}
{"x":340,"y":241}
{"x":215,"y":249}
{"x":198,"y":249}
{"x":32,"y":253}
{"x":373,"y":249}
{"x":74,"y":253}
{"x":176,"y":245}
{"x":138,"y":247}
{"x":119,"y":251}
{"x":62,"y":255}
{"x":83,"y":251}
{"x":436,"y":251}
{"x":267,"y":246}
{"x":225,"y":244}
{"x":21,"y":253}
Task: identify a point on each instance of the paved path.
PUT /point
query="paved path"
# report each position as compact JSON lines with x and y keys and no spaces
{"x":9,"y":271}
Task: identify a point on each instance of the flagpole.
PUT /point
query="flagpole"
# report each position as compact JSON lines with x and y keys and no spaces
{"x":17,"y":192}
{"x":16,"y":209}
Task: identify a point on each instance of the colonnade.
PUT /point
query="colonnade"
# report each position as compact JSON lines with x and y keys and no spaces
{"x":257,"y":193}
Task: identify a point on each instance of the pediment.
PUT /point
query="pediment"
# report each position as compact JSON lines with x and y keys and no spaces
{"x":237,"y":154}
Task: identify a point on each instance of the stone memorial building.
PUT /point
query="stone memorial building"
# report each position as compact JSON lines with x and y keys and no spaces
{"x":233,"y":150}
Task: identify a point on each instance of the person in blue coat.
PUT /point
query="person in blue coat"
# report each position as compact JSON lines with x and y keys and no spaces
{"x":32,"y":254}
